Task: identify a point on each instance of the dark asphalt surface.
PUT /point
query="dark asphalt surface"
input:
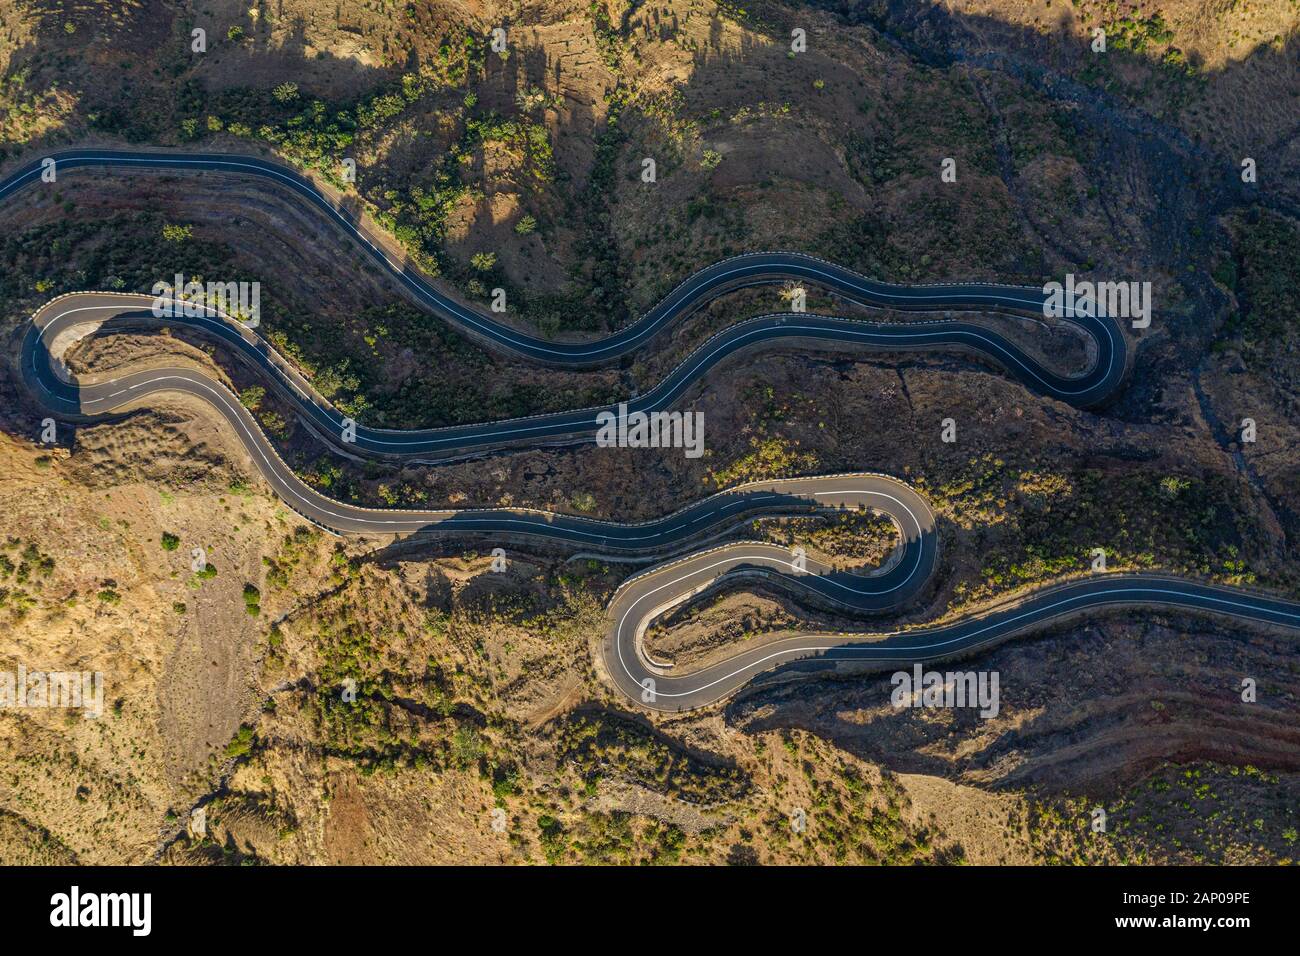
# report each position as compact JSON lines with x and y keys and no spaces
{"x":630,"y":668}
{"x":644,"y":595}
{"x":736,"y":272}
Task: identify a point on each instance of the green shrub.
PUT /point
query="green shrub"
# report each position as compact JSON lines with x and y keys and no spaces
{"x":242,"y":742}
{"x":252,"y":600}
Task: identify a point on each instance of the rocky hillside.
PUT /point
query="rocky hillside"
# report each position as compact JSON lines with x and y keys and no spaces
{"x":522,"y":169}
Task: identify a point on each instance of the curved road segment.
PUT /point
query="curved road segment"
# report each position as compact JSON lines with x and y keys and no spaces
{"x":727,"y":275}
{"x":646,"y":595}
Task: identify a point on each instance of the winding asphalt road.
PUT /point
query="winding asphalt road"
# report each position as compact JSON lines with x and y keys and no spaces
{"x":727,"y":275}
{"x":642,"y":597}
{"x":638,"y":677}
{"x":1104,"y":375}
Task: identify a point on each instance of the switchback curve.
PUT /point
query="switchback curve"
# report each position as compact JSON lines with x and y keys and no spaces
{"x":728,"y":274}
{"x":641,"y":597}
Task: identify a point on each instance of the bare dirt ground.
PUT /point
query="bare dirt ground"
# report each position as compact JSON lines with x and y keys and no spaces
{"x":475,"y":691}
{"x":179,"y":652}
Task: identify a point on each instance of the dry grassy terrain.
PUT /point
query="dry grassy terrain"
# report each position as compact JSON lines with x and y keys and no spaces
{"x":475,"y":691}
